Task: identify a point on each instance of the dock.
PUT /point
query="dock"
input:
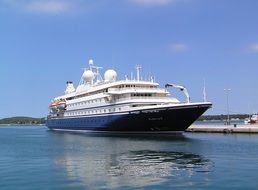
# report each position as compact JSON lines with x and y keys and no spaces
{"x":253,"y":128}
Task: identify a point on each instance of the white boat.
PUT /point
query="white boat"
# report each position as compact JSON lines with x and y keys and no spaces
{"x":129,"y":105}
{"x":252,"y":120}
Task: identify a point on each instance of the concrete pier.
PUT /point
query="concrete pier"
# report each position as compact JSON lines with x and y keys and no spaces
{"x":253,"y":128}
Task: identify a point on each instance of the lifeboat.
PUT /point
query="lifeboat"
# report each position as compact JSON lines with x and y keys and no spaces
{"x":57,"y":106}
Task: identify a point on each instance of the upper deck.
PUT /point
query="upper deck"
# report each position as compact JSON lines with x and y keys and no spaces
{"x":91,"y":83}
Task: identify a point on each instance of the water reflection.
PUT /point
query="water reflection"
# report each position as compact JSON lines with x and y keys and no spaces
{"x":112,"y":162}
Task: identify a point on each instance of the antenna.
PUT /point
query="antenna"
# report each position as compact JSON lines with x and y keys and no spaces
{"x":138,"y":68}
{"x":204,"y":91}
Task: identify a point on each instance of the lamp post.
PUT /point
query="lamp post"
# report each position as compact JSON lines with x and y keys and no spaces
{"x":227,"y":93}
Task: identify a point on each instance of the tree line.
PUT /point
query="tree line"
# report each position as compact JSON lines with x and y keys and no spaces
{"x":22,"y":120}
{"x":223,"y":117}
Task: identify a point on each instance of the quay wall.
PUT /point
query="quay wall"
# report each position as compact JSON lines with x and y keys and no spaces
{"x":253,"y":128}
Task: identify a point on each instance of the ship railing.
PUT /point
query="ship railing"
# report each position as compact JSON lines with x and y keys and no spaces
{"x":137,"y":89}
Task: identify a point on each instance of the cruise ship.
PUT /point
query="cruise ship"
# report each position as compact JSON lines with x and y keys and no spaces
{"x":131,"y":105}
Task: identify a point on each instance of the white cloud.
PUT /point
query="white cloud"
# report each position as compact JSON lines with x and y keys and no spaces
{"x":178,"y":47}
{"x":47,"y":6}
{"x":254,"y":47}
{"x":152,"y":2}
{"x":42,"y":6}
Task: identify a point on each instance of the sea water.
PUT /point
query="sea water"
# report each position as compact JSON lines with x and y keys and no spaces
{"x":33,"y":157}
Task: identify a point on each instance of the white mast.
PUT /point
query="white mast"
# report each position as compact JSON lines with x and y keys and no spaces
{"x":95,"y":70}
{"x":138,"y":68}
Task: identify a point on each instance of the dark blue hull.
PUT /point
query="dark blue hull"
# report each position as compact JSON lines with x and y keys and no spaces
{"x":173,"y":119}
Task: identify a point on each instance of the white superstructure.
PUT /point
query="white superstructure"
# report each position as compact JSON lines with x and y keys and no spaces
{"x":95,"y":95}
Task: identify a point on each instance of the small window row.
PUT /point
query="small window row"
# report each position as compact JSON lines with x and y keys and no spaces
{"x":86,"y":102}
{"x":93,"y":111}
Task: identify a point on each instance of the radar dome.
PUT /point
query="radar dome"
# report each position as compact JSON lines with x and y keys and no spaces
{"x":110,"y":75}
{"x":88,"y":76}
{"x":91,"y":61}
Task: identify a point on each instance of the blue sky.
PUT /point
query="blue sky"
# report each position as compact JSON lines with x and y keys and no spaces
{"x":44,"y":43}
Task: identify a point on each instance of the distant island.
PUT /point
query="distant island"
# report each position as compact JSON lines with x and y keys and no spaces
{"x":23,"y":120}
